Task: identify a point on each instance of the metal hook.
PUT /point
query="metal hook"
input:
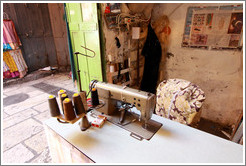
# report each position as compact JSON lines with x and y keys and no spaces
{"x":85,"y":54}
{"x":76,"y":53}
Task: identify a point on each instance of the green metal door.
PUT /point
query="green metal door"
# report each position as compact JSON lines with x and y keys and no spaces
{"x":84,"y":31}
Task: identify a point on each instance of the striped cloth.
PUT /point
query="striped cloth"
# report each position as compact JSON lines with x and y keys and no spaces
{"x":19,"y":60}
{"x":9,"y":61}
{"x":5,"y":67}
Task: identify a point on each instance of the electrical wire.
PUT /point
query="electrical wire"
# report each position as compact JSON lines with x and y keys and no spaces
{"x":136,"y":18}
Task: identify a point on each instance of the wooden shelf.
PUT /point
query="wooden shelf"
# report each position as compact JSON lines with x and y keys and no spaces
{"x":121,"y":72}
{"x":111,"y":75}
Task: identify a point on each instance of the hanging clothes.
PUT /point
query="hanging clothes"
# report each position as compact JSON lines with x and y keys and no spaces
{"x":6,"y":72}
{"x":19,"y":61}
{"x":6,"y":47}
{"x":9,"y":61}
{"x":152,"y":53}
{"x":14,"y":63}
{"x":5,"y":67}
{"x":10,"y":37}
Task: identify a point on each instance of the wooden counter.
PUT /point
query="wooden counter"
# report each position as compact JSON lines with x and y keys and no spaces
{"x":173,"y":143}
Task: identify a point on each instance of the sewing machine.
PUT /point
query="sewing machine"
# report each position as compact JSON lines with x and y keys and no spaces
{"x":118,"y":101}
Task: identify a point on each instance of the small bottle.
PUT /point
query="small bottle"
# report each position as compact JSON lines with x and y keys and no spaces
{"x":112,"y":68}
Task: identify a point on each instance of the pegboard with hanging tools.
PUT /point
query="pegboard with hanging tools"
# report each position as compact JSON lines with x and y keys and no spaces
{"x":125,"y":35}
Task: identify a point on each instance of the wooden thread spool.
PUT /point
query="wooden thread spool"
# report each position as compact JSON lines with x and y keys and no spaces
{"x":69,"y":113}
{"x":53,"y":105}
{"x":78,"y":105}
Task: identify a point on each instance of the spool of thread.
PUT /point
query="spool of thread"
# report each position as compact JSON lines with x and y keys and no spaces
{"x":84,"y":124}
{"x":83,"y":98}
{"x":53,"y":105}
{"x":63,"y":97}
{"x":78,"y":105}
{"x":60,"y":92}
{"x":94,"y":97}
{"x":69,"y":113}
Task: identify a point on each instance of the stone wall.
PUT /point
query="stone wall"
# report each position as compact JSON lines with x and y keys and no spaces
{"x":219,"y":73}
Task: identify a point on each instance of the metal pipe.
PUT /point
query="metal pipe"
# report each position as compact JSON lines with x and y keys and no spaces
{"x":80,"y":88}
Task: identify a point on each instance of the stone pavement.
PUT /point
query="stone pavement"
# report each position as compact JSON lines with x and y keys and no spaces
{"x":25,"y":107}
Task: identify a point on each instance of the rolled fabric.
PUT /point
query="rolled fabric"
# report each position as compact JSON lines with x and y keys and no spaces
{"x":179,"y":100}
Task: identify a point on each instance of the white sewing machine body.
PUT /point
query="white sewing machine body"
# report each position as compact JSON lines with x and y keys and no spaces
{"x":110,"y":94}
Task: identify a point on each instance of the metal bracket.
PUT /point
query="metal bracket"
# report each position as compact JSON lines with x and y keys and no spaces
{"x":136,"y":136}
{"x":86,"y":54}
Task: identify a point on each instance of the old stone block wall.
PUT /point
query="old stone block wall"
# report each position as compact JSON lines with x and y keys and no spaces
{"x":58,"y":24}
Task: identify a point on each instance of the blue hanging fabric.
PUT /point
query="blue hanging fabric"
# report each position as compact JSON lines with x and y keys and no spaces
{"x":6,"y":47}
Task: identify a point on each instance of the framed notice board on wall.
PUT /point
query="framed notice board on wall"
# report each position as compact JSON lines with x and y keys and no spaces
{"x":214,"y":27}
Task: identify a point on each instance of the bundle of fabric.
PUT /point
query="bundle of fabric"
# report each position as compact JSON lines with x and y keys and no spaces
{"x":11,"y":65}
{"x":179,"y":100}
{"x":14,"y":64}
{"x":19,"y":61}
{"x":11,"y":40}
{"x":6,"y":72}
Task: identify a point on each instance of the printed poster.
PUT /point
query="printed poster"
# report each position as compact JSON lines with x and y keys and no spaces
{"x":234,"y":40}
{"x":199,"y":39}
{"x":216,"y":28}
{"x":236,"y":23}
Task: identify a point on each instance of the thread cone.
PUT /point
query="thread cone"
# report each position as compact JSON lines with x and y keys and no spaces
{"x":60,"y":92}
{"x":94,"y":97}
{"x":69,"y":113}
{"x":63,"y":97}
{"x":53,"y":105}
{"x":83,"y":98}
{"x":78,"y":105}
{"x":84,"y":124}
